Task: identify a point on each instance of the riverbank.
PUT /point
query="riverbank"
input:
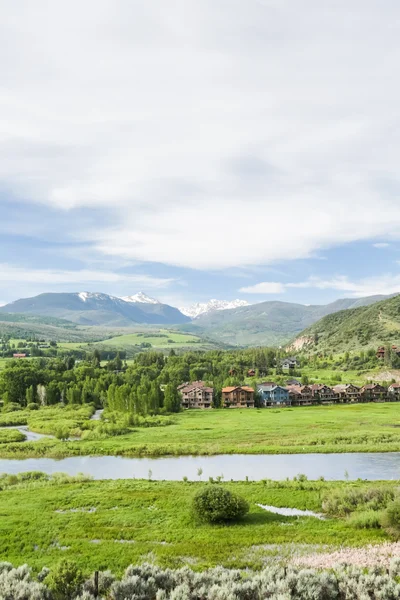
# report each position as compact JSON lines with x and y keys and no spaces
{"x":303,"y":430}
{"x":111,"y":524}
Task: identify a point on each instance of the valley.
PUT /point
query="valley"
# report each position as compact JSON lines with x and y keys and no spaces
{"x":128,"y":476}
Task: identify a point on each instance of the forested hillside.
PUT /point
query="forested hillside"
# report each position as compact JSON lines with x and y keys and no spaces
{"x":354,"y":329}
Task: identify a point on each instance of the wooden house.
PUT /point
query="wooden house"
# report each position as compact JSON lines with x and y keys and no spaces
{"x":196,"y":396}
{"x":238,"y":397}
{"x":323,"y":393}
{"x":347,"y":392}
{"x":373,"y":392}
{"x":300,"y":395}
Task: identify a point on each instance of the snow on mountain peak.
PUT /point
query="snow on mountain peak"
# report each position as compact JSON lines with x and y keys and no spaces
{"x":84,"y":296}
{"x":201,"y":308}
{"x":140,"y":297}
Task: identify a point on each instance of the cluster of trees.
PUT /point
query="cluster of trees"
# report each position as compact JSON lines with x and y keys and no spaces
{"x":30,"y":346}
{"x":147,"y":386}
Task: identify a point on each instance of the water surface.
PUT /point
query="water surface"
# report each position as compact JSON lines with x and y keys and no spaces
{"x":368,"y":465}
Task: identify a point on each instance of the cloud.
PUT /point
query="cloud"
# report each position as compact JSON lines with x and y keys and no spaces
{"x":266,"y":287}
{"x":381,"y":245}
{"x":370,"y":286}
{"x":12,"y":274}
{"x":212,"y":135}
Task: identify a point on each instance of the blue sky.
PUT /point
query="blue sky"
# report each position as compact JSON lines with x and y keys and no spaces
{"x":222,"y":149}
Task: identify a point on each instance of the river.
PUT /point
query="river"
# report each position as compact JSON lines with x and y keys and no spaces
{"x":371,"y":466}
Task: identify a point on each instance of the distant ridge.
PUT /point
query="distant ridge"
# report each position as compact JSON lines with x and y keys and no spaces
{"x":91,"y":308}
{"x":263,"y":324}
{"x":269,"y":323}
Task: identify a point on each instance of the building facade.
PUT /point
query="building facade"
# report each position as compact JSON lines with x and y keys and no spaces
{"x":273,"y":395}
{"x":238,"y":397}
{"x":196,"y":395}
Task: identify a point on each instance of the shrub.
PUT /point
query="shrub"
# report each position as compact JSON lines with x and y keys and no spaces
{"x":32,"y":406}
{"x":343,"y":501}
{"x":391,"y":518}
{"x":62,"y":433}
{"x":368,"y":519}
{"x":11,"y":407}
{"x":65,"y":580}
{"x":214,"y":504}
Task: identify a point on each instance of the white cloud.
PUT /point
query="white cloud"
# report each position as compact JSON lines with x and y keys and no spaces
{"x":12,"y":274}
{"x":370,"y":286}
{"x":266,"y":287}
{"x":218,"y":134}
{"x":381,"y":245}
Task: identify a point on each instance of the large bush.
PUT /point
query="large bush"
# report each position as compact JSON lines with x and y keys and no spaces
{"x":391,"y":518}
{"x":214,"y":504}
{"x":65,"y":580}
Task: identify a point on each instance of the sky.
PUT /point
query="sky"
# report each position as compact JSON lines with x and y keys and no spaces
{"x":200,"y":149}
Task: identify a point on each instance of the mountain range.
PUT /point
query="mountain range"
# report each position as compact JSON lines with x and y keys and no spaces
{"x":229,"y":322}
{"x":267,"y":323}
{"x":201,"y":308}
{"x":89,"y":308}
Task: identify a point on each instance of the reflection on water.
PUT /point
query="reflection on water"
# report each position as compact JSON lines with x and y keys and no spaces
{"x":291,"y":512}
{"x":384,"y":465}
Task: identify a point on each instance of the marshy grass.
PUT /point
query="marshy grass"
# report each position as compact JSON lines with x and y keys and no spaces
{"x":41,"y":514}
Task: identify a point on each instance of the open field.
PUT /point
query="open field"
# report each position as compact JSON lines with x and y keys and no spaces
{"x":111,"y":524}
{"x":130,"y":341}
{"x":369,"y":427}
{"x":164,"y":339}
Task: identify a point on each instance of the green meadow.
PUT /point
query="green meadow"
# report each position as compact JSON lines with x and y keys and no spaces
{"x":372,"y":427}
{"x":111,"y":524}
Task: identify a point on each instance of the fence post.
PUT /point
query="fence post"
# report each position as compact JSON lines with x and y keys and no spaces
{"x":96,"y":584}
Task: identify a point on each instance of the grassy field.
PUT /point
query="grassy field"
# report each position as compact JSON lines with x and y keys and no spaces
{"x":179,"y":339}
{"x":333,"y":377}
{"x":160,"y":339}
{"x":111,"y":524}
{"x":354,"y":428}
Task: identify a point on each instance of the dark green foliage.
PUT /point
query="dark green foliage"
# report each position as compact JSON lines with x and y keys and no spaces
{"x":65,"y":580}
{"x":215,"y":504}
{"x":391,"y":518}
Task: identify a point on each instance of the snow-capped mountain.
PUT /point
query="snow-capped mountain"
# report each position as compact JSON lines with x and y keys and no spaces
{"x":85,"y":296}
{"x":141,"y":297}
{"x":91,"y":308}
{"x":201,"y":308}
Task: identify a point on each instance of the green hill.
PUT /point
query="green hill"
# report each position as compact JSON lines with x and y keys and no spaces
{"x":354,"y":329}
